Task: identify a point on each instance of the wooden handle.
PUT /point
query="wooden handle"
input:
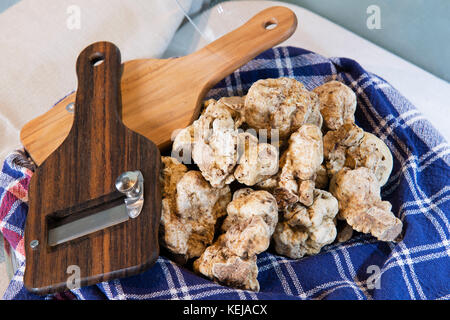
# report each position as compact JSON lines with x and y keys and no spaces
{"x":265,"y":30}
{"x":99,"y":65}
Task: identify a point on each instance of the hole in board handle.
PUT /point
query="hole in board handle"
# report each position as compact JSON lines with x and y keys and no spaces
{"x":271,"y":24}
{"x":97,"y":59}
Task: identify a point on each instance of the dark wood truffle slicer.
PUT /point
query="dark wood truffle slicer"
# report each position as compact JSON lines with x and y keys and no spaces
{"x":94,"y":203}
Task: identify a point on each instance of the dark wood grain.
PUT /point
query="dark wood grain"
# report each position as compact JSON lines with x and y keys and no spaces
{"x":80,"y":174}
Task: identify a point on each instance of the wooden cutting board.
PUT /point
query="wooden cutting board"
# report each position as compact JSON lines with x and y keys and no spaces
{"x":160,"y":96}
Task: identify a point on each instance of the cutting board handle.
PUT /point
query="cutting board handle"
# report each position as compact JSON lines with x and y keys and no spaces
{"x":265,"y":30}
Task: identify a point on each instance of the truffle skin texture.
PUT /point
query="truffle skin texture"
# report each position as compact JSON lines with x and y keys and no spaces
{"x":258,"y":161}
{"x":225,"y":107}
{"x":322,"y":180}
{"x":301,"y":161}
{"x":373,"y":154}
{"x":215,"y":142}
{"x":182,"y":145}
{"x":360,"y":204}
{"x":190,"y":209}
{"x":248,"y":204}
{"x":306,"y":230}
{"x":171,"y":172}
{"x":218,"y":263}
{"x":231,"y":260}
{"x":336,"y":143}
{"x":236,"y":104}
{"x":351,"y":147}
{"x":283,"y":104}
{"x":337,"y":104}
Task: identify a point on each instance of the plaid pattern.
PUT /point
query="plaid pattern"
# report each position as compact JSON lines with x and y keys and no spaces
{"x":418,"y":267}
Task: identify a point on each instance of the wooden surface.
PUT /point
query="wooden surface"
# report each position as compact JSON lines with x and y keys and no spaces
{"x":161,"y":96}
{"x":81,"y":174}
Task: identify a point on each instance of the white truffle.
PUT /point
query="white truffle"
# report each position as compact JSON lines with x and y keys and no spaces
{"x":373,"y":154}
{"x":283,"y":104}
{"x":336,"y":143}
{"x":351,"y":147}
{"x":218,"y":263}
{"x":301,"y":161}
{"x":337,"y":104}
{"x":236,"y":104}
{"x":257,"y":161}
{"x":360,"y":204}
{"x":251,"y":221}
{"x":215,"y":143}
{"x":306,"y":230}
{"x":252,"y":203}
{"x":190,"y":209}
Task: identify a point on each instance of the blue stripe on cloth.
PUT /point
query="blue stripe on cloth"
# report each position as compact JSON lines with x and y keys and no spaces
{"x":418,"y":267}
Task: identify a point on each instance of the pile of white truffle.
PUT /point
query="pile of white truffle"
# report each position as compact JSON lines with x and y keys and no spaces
{"x":321,"y":167}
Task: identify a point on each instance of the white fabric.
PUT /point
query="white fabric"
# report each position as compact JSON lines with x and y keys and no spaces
{"x":38,"y":51}
{"x":427,"y":92}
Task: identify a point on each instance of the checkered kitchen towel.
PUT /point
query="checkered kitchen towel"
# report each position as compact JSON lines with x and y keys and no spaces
{"x":418,"y":267}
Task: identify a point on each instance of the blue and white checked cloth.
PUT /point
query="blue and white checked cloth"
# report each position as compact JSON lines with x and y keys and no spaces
{"x":418,"y":267}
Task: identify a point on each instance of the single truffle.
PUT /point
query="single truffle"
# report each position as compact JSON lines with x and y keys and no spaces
{"x":306,"y":230}
{"x":231,"y":260}
{"x":218,"y":263}
{"x":337,"y":104}
{"x":283,"y":104}
{"x":336,"y":143}
{"x":351,"y":147}
{"x":190,"y":209}
{"x":215,"y":143}
{"x":360,"y":204}
{"x":251,"y":203}
{"x":257,"y":161}
{"x":301,"y":161}
{"x":373,"y":154}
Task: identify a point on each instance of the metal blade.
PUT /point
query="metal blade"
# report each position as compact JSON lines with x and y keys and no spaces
{"x":87,"y":225}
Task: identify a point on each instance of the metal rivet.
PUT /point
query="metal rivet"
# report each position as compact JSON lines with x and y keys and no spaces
{"x":70,"y":107}
{"x":34,"y":244}
{"x":131,"y":183}
{"x":128,"y":183}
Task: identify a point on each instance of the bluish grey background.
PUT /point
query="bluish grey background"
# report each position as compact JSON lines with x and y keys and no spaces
{"x":5,"y":4}
{"x":416,"y":30}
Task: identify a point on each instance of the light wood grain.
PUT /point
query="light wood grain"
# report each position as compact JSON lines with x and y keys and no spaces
{"x":160,"y":96}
